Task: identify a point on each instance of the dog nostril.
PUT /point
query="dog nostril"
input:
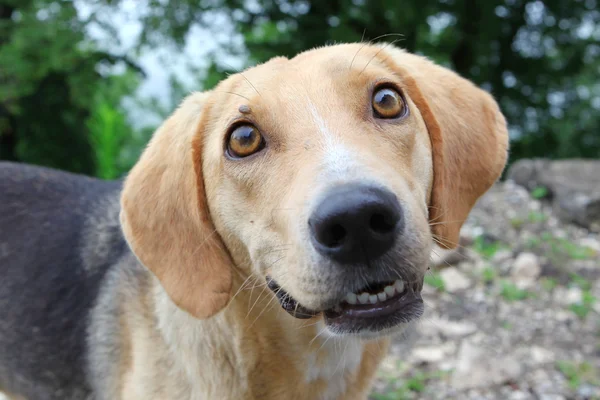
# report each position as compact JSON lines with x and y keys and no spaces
{"x":382,"y":223}
{"x":335,"y":236}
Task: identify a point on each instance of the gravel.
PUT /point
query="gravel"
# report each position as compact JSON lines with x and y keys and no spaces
{"x":517,"y":315}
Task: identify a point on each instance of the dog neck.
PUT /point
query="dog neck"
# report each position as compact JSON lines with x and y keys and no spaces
{"x":255,"y":350}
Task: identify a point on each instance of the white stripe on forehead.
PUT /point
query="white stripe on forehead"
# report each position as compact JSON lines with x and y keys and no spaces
{"x":338,"y":161}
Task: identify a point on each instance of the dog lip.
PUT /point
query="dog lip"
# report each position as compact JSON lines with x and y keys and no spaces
{"x":288,"y":303}
{"x":356,"y":317}
{"x":405,"y":308}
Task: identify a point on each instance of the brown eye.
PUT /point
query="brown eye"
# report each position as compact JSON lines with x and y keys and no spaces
{"x":388,"y":103}
{"x":244,"y":141}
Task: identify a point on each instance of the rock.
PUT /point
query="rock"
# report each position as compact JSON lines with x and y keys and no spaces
{"x":454,"y":280}
{"x":526,"y":269}
{"x":539,"y":355}
{"x":448,"y":329}
{"x":573,"y":185}
{"x":478,"y":368}
{"x":568,"y":296}
{"x":587,"y":391}
{"x":550,"y":396}
{"x":433,"y":354}
{"x":501,"y":256}
{"x":574,"y":295}
{"x":519,"y":395}
{"x":590,"y":243}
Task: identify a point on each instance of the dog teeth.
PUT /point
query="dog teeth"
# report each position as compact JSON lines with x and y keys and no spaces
{"x":399,"y":285}
{"x":388,"y":292}
{"x":351,"y":298}
{"x":363,"y":298}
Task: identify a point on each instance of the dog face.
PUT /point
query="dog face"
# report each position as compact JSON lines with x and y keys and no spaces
{"x":321,"y":175}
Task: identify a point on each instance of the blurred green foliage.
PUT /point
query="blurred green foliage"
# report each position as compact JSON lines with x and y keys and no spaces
{"x":61,"y":99}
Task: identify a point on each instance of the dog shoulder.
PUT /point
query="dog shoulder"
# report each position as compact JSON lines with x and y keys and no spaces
{"x":59,"y":236}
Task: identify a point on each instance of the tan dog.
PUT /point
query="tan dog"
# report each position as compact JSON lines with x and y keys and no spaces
{"x":320,"y":183}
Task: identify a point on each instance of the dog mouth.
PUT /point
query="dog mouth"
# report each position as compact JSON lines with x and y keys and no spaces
{"x":374,"y":308}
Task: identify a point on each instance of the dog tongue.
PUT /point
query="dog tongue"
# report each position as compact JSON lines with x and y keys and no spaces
{"x":288,"y":303}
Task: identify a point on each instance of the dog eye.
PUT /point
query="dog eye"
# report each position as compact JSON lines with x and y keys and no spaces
{"x":244,"y":141}
{"x":388,"y":103}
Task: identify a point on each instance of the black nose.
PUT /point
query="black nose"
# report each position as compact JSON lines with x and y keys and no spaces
{"x":356,"y":223}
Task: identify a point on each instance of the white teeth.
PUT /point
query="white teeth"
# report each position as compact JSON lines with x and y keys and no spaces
{"x":368,"y":298}
{"x":399,"y":285}
{"x":351,"y":298}
{"x":389,"y":290}
{"x":363,"y":298}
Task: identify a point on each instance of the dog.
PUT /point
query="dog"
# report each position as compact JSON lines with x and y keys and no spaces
{"x":272,"y":237}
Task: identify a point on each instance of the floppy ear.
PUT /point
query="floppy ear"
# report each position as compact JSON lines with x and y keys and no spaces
{"x":165,"y":217}
{"x":469,"y":140}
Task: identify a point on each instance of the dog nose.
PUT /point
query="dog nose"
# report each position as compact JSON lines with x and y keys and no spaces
{"x":356,"y":223}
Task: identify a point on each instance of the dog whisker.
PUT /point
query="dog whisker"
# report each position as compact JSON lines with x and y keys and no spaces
{"x":237,"y":94}
{"x":441,"y":241}
{"x":250,"y":83}
{"x":369,"y":42}
{"x":317,"y":335}
{"x":444,"y":222}
{"x":376,"y":54}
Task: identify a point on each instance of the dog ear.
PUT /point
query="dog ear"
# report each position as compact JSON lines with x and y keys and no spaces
{"x":468,"y":135}
{"x":165,"y":216}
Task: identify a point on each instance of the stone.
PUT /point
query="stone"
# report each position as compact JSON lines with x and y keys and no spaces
{"x":526,"y":269}
{"x":433,"y":354}
{"x":574,"y":295}
{"x":590,"y":243}
{"x":540,"y":355}
{"x":478,"y":368}
{"x":573,"y":185}
{"x":449,"y":329}
{"x":544,"y":396}
{"x":501,"y":256}
{"x":454,"y":280}
{"x":519,"y":395}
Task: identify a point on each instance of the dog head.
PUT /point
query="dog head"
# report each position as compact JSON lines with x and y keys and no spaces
{"x":328,"y":175}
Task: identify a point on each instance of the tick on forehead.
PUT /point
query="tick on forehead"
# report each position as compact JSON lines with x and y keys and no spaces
{"x":244,"y":109}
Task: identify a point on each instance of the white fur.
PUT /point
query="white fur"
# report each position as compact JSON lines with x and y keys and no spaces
{"x":343,"y":357}
{"x":338,"y":162}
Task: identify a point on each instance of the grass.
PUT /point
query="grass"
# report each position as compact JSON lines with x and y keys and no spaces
{"x":507,"y":325}
{"x":517,"y":223}
{"x":549,"y":284}
{"x":486,"y":247}
{"x":488,"y":275}
{"x":435,"y":280}
{"x":510,"y":292}
{"x":536,"y":217}
{"x":539,"y":192}
{"x":580,"y":282}
{"x":578,"y":374}
{"x":585,"y":306}
{"x":558,"y":250}
{"x":411,"y":387}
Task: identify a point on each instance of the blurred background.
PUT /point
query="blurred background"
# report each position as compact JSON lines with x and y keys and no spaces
{"x":514,"y":311}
